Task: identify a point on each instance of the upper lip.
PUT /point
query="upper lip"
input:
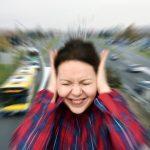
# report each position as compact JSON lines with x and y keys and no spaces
{"x":76,"y":98}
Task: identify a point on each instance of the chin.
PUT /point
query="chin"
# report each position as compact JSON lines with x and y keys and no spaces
{"x":77,"y":110}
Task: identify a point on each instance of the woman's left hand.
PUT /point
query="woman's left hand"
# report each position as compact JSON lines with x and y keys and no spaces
{"x":102,"y":84}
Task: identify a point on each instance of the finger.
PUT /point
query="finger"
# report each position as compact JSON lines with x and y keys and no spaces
{"x":51,"y":55}
{"x":55,"y":53}
{"x":104,"y":54}
{"x":51,"y":58}
{"x":103,"y":58}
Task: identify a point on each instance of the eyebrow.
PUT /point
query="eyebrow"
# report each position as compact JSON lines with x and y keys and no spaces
{"x":80,"y":81}
{"x":65,"y":80}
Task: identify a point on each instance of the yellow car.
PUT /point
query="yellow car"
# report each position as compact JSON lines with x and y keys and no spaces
{"x":27,"y":70}
{"x":16,"y":93}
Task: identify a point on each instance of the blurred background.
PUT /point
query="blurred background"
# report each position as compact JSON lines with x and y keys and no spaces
{"x":29,"y":29}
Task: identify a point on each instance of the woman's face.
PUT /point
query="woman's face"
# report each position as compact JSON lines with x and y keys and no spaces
{"x":76,"y":83}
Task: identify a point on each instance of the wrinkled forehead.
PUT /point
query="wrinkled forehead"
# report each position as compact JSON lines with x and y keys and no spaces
{"x":75,"y":69}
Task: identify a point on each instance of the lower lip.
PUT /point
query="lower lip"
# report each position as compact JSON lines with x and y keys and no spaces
{"x":77,"y":102}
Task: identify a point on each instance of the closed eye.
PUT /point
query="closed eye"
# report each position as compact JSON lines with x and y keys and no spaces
{"x":66,"y":84}
{"x":86,"y":83}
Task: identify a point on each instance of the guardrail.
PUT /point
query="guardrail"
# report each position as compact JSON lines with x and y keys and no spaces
{"x":45,"y":74}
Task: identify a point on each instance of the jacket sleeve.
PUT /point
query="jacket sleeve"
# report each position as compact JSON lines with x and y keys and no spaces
{"x":125,"y":130}
{"x":37,"y":124}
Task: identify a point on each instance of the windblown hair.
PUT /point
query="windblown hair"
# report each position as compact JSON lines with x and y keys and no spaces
{"x":77,"y":49}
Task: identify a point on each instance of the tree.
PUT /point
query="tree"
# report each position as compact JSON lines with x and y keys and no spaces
{"x":15,"y":40}
{"x":130,"y":33}
{"x":4,"y":44}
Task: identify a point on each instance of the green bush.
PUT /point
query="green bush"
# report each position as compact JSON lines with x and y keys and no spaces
{"x":7,"y":70}
{"x":113,"y":78}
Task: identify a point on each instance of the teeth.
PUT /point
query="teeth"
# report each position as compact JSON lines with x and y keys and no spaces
{"x":77,"y":101}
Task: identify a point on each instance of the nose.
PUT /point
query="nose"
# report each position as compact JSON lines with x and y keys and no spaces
{"x":76,"y":90}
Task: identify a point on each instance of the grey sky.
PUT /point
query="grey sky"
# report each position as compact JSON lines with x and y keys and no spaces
{"x":62,"y":14}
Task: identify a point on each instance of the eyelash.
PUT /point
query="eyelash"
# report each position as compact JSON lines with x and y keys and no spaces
{"x":67,"y":84}
{"x":85,"y":83}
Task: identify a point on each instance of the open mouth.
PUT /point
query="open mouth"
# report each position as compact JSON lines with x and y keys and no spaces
{"x":77,"y":102}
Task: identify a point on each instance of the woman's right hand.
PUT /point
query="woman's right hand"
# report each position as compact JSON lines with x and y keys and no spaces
{"x":52,"y":79}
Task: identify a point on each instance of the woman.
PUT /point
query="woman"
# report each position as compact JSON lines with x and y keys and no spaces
{"x":79,"y":110}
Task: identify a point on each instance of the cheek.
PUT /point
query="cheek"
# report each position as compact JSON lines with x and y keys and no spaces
{"x":62,"y":91}
{"x":91,"y":90}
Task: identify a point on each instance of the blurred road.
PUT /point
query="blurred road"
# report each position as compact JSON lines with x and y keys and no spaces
{"x":7,"y":126}
{"x":128,"y":57}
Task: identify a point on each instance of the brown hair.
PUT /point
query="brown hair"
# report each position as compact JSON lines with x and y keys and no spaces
{"x":77,"y":49}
